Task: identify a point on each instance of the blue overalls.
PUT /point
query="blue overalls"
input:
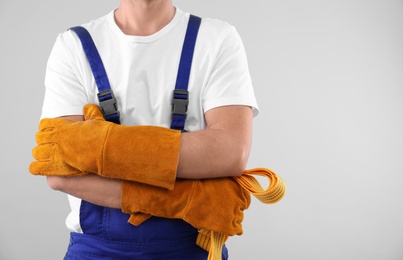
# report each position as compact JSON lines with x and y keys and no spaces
{"x":106,"y":231}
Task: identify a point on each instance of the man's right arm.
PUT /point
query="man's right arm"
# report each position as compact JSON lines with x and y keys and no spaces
{"x":91,"y":187}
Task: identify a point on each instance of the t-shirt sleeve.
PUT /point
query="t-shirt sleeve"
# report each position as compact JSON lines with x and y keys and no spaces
{"x":230,"y":82}
{"x":64,"y":91}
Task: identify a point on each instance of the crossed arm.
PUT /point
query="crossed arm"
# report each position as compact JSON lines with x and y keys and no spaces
{"x":219,"y":151}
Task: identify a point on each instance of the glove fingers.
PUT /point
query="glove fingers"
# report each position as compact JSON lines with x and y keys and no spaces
{"x":138,"y":218}
{"x":40,"y":168}
{"x":93,"y":112}
{"x":43,"y":152}
{"x":51,"y":168}
{"x":48,"y":124}
{"x":47,"y":129}
{"x":44,"y":137}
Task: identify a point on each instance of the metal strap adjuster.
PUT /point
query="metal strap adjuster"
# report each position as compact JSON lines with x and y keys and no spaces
{"x":180,"y":102}
{"x":107,"y":102}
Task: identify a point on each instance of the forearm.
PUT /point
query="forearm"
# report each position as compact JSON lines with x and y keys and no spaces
{"x":92,"y":188}
{"x":222,"y":149}
{"x":212,"y":153}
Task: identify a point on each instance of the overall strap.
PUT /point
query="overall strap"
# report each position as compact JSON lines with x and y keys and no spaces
{"x":180,"y":99}
{"x":107,"y":100}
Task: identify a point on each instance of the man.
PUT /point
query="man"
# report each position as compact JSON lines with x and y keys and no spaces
{"x":140,"y":44}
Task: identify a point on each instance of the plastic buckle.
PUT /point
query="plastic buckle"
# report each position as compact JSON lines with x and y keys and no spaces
{"x":108,"y":104}
{"x":180,"y":102}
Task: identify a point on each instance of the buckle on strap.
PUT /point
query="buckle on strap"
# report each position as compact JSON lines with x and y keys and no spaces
{"x":180,"y":102}
{"x":107,"y":102}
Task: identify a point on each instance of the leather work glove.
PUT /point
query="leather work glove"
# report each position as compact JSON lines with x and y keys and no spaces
{"x":147,"y":154}
{"x":212,"y":204}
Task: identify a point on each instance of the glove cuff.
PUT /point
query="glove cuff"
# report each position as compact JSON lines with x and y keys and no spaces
{"x":146,"y":154}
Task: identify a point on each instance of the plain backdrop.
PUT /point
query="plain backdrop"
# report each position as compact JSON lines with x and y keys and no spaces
{"x":328,"y":76}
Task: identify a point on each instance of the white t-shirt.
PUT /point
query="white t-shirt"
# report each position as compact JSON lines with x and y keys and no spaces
{"x":142,"y":72}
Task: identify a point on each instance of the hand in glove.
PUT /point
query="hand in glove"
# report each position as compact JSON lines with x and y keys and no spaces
{"x":212,"y":204}
{"x":147,"y":154}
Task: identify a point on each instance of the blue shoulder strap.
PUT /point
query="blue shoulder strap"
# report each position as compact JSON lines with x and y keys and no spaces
{"x":107,"y":100}
{"x":180,"y":99}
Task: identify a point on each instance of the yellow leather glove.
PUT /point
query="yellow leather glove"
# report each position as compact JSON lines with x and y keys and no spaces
{"x":212,"y":204}
{"x":147,"y":154}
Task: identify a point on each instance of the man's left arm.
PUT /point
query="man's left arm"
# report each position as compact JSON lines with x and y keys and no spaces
{"x":222,"y":149}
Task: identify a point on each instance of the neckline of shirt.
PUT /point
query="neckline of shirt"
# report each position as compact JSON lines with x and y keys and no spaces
{"x":149,"y":38}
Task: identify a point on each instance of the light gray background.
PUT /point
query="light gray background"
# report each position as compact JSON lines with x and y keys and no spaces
{"x":328,"y":76}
